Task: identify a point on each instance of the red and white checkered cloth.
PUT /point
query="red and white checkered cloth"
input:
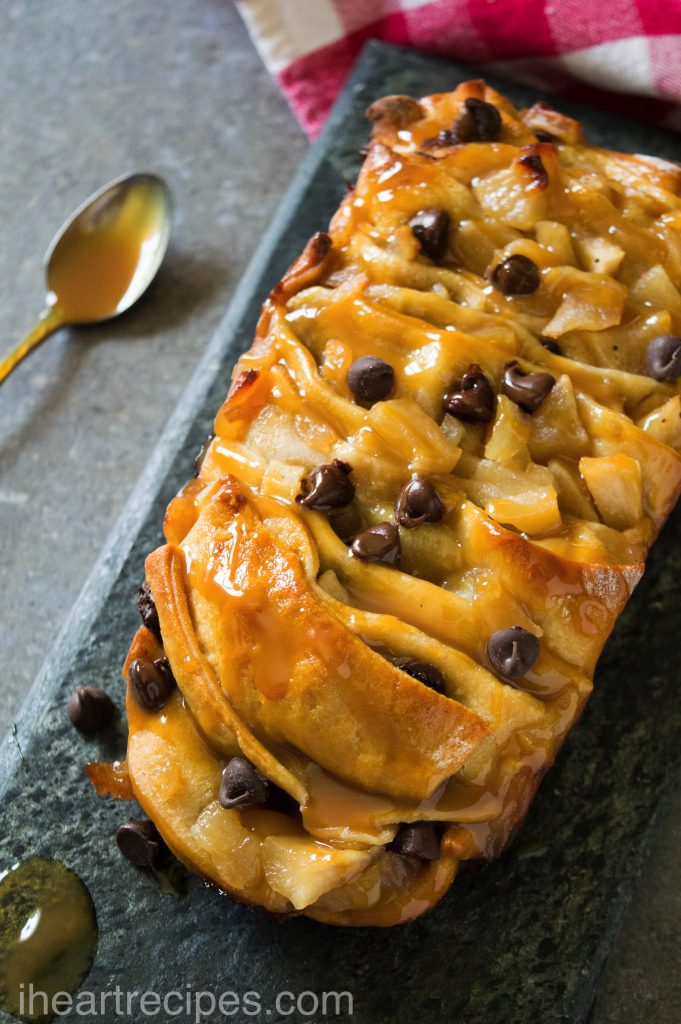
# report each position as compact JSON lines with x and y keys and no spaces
{"x":617,"y":53}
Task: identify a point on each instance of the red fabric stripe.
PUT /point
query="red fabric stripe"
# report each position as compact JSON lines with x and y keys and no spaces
{"x":576,"y":25}
{"x":445,"y":26}
{"x":662,"y":18}
{"x":514,"y":28}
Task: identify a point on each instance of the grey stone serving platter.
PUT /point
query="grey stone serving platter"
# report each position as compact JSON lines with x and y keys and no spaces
{"x":522,"y":941}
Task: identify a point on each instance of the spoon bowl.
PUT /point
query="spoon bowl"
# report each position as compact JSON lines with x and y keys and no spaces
{"x":103,"y":258}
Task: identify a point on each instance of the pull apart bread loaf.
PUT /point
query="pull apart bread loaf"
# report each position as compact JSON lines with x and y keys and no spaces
{"x":428,"y":496}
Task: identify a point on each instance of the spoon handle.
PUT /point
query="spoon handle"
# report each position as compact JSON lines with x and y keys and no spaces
{"x":49,"y":322}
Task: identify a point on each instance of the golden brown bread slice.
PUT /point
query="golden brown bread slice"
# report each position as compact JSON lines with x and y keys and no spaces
{"x":233,"y":593}
{"x":429,"y":495}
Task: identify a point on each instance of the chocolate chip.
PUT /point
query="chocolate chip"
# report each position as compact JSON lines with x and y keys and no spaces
{"x":147,"y":609}
{"x":418,"y":502}
{"x":513,"y":651}
{"x":241,"y":786}
{"x":431,"y":229}
{"x":152,"y":682}
{"x":478,"y":122}
{"x":427,"y":674}
{"x":90,"y":709}
{"x":551,"y":346}
{"x":327,"y":487}
{"x":516,"y":275}
{"x":528,"y":390}
{"x":418,"y":840}
{"x":139,"y":842}
{"x":380,"y":543}
{"x":370,"y":379}
{"x":471,"y":398}
{"x":663,"y":357}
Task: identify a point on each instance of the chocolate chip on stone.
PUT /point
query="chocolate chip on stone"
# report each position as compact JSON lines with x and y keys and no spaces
{"x":418,"y":840}
{"x":471,"y":398}
{"x":370,"y":379}
{"x":90,"y":709}
{"x":513,"y":651}
{"x":431,"y":229}
{"x":152,"y":682}
{"x":380,"y":543}
{"x":663,"y":357}
{"x":551,"y":346}
{"x":516,"y":275}
{"x":478,"y":122}
{"x":528,"y":390}
{"x":139,"y":842}
{"x":418,"y":502}
{"x":427,"y":674}
{"x":241,"y":786}
{"x":147,"y":609}
{"x":327,"y":487}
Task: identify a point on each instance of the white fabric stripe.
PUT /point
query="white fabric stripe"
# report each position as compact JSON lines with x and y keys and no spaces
{"x":286,"y":30}
{"x":409,"y":5}
{"x":622,"y":66}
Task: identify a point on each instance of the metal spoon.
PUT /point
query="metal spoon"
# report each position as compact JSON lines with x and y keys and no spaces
{"x":102,"y":259}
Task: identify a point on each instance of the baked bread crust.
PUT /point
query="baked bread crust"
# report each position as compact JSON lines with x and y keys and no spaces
{"x":516,"y":281}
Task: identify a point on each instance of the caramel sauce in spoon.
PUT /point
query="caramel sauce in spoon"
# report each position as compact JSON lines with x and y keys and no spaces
{"x":102,"y":259}
{"x":97,"y":266}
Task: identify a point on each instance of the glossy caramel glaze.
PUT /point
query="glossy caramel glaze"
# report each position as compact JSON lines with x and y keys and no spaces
{"x":48,"y":936}
{"x":101,"y":257}
{"x":286,"y":648}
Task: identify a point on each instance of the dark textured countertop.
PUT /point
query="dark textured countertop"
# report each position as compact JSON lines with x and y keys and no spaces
{"x":91,"y":91}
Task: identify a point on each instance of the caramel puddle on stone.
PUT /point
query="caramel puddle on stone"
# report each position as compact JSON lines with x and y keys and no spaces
{"x":48,"y":934}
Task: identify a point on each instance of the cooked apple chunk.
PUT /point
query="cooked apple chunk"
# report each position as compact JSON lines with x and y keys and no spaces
{"x":573,"y":496}
{"x":614,"y":482}
{"x":302,"y":870}
{"x":600,"y":255}
{"x":510,"y":432}
{"x":525,"y":499}
{"x":664,"y":423}
{"x":588,"y":301}
{"x":556,"y":428}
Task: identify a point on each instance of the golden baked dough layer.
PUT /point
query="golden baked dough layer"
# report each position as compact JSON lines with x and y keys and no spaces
{"x":513,"y":295}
